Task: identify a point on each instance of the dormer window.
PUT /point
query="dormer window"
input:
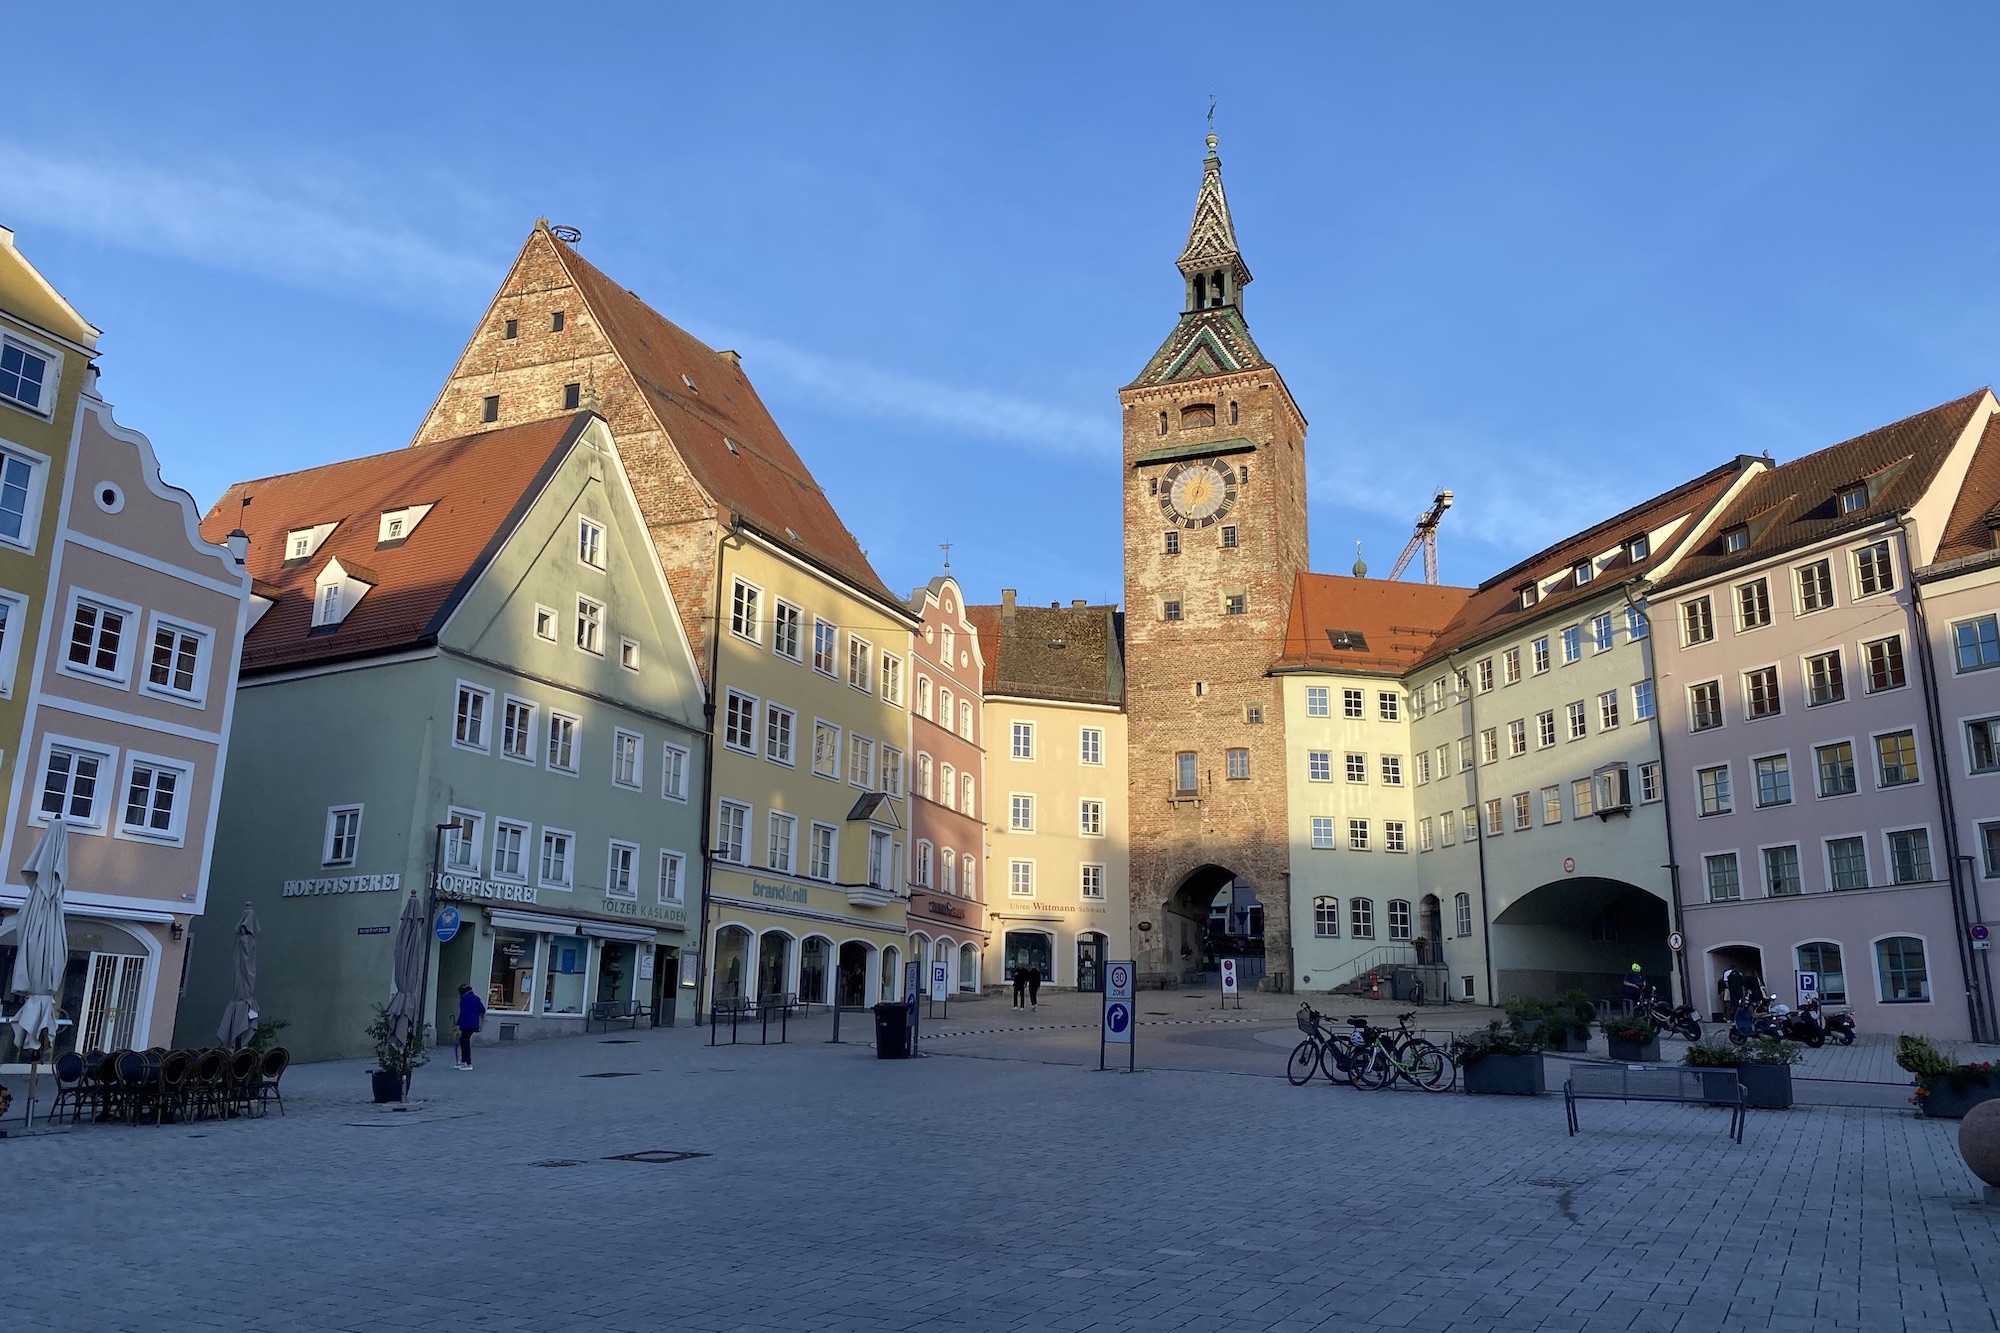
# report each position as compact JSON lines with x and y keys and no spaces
{"x":329,"y":605}
{"x":304,"y":543}
{"x":1584,"y":572}
{"x":392,"y":528}
{"x":689,"y":381}
{"x":1530,"y":594}
{"x":1736,"y":539}
{"x":396,"y":525}
{"x":336,"y":593}
{"x":1638,"y":548}
{"x":731,"y":446}
{"x":1853,"y":499}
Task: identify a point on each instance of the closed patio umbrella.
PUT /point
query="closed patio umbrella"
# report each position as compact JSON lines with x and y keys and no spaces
{"x":411,"y":952}
{"x":43,"y":955}
{"x":239,"y":1020}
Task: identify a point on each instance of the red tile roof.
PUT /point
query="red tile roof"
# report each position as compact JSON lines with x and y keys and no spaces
{"x":1075,"y":654}
{"x":1970,"y":529}
{"x":763,"y":478}
{"x":1797,"y":503}
{"x":1397,"y":622}
{"x":1496,"y":604}
{"x":479,"y":487}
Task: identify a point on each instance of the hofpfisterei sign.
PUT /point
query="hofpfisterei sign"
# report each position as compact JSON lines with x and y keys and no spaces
{"x":312,"y":888}
{"x":464,"y":887}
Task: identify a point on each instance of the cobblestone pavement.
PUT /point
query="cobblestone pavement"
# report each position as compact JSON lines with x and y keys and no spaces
{"x":998,"y":1184}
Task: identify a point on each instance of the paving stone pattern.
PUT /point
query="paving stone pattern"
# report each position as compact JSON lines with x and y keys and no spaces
{"x":999,"y":1187}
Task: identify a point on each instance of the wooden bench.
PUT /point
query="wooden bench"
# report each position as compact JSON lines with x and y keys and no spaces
{"x":1602,"y":1081}
{"x":608,"y":1012}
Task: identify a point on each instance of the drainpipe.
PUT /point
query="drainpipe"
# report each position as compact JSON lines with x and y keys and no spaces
{"x":1478,"y":811}
{"x":1974,"y":966}
{"x":701,"y":958}
{"x":1672,"y":866}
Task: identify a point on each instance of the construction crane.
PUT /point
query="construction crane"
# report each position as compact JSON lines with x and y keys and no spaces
{"x":1426,"y":536}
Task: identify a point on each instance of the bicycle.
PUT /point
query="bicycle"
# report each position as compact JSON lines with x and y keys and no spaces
{"x":1306,"y":1056}
{"x":1402,"y":1054}
{"x":1326,"y":1051}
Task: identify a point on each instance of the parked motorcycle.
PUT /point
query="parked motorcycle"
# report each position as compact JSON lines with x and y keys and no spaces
{"x":1838,"y":1027}
{"x":1682,"y":1022}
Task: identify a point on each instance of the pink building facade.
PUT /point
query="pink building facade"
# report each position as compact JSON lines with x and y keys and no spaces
{"x":1810,"y":789}
{"x":947,"y":790}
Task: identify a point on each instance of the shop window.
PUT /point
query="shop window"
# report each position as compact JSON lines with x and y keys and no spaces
{"x":510,"y":984}
{"x":562,"y":983}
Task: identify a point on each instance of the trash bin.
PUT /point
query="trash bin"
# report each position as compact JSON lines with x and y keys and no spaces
{"x":892,"y":1032}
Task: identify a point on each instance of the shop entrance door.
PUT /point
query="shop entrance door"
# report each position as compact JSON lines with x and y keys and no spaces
{"x":110,"y":1002}
{"x":1031,"y":948}
{"x":666,"y":984}
{"x":1090,"y":962}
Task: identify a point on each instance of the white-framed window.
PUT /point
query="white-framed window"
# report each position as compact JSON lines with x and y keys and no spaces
{"x":590,"y":542}
{"x":892,"y":683}
{"x":517,"y":730}
{"x":1495,"y":818}
{"x":822,"y":850}
{"x":1352,"y":703}
{"x":1874,"y":570}
{"x":1835,"y":765}
{"x":826,"y":645}
{"x":739,"y":721}
{"x":1357,"y":835}
{"x":1901,"y":972}
{"x":1462,"y":913}
{"x":1465,"y":751}
{"x":558,"y":869}
{"x":1607,"y":710}
{"x":177,"y":661}
{"x":780,"y":732}
{"x":1774,"y":779}
{"x":621,"y":879}
{"x":1649,"y":782}
{"x":925,"y":787}
{"x":510,"y":849}
{"x":1635,"y":623}
{"x":1713,"y":786}
{"x":156,"y":792}
{"x":1399,"y":919}
{"x":1357,"y":767}
{"x":1813,"y":586}
{"x":1021,"y":813}
{"x":1092,"y":885}
{"x":1582,"y":797}
{"x":1552,"y":805}
{"x":29,"y":373}
{"x":1705,"y":705}
{"x":1090,"y":746}
{"x":343,"y":836}
{"x":1761,"y":697}
{"x":1448,"y":828}
{"x":1524,"y":811}
{"x":1724,"y":878}
{"x":1319,"y":766}
{"x":1426,"y":833}
{"x":1545,"y":728}
{"x":1896,"y":759}
{"x":1489,"y":745}
{"x":627,"y":747}
{"x":1642,"y":701}
{"x":1517,"y":738}
{"x":21,"y":479}
{"x":1090,"y":818}
{"x":1600,"y":633}
{"x":1975,"y":644}
{"x":1389,"y":705}
{"x":1539,"y":651}
{"x":99,"y":645}
{"x":673,"y":879}
{"x":545,"y":623}
{"x":1326,"y":917}
{"x":13,"y":622}
{"x":1982,"y":745}
{"x":628,"y":653}
{"x":1321,"y":829}
{"x":590,"y":625}
{"x":732,"y":828}
{"x":826,"y":750}
{"x":471,"y":717}
{"x":1394,"y":836}
{"x":923,"y":702}
{"x":1392,"y":770}
{"x":1318,"y":701}
{"x":563,"y":742}
{"x":1237,"y":764}
{"x":860,"y":664}
{"x":75,"y":775}
{"x":1781,"y":871}
{"x":948,"y":869}
{"x":1361,"y":918}
{"x":674,"y":772}
{"x":464,"y":836}
{"x":746,"y":611}
{"x":1423,"y":758}
{"x":1579,"y":719}
{"x":781,"y":841}
{"x":1024,"y":740}
{"x":787,"y":640}
{"x":1510,"y":667}
{"x":1572,"y":642}
{"x":860,"y":761}
{"x":1697,"y":621}
{"x":921,"y":874}
{"x":1020,"y":879}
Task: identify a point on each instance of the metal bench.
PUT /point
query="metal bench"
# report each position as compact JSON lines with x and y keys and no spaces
{"x":608,"y":1012}
{"x":1601,"y":1081}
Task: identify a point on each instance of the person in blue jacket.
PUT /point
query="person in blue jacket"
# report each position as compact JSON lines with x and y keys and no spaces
{"x":471,"y":1013}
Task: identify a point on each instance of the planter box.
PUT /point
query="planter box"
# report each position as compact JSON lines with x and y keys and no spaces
{"x":1768,"y":1087}
{"x":1632,"y":1052}
{"x":388,"y":1087}
{"x":1944,"y":1104}
{"x":1518,"y":1075}
{"x":1572,"y":1041}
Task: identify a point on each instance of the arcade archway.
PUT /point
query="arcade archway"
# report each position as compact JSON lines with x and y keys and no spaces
{"x":1582,"y":933}
{"x":1213,"y":912}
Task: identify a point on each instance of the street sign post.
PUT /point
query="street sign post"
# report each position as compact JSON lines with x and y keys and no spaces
{"x":913,"y":987}
{"x":941,"y":987}
{"x":1808,"y":986}
{"x":447,"y":923}
{"x":1229,"y":983}
{"x":1119,"y":1018}
{"x":1981,"y":937}
{"x":1676,"y":941}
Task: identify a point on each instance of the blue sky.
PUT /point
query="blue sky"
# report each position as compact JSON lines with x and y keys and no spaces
{"x":1555,"y":257}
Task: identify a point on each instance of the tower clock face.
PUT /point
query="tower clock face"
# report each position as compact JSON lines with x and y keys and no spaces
{"x":1196,"y":494}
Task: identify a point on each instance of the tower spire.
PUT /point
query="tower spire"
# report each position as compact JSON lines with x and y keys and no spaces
{"x":1211,"y":264}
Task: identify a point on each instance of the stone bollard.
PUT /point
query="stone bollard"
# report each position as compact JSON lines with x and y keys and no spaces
{"x":1979,"y":1145}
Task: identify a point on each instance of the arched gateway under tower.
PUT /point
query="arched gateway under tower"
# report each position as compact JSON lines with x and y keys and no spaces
{"x":1215,"y":536}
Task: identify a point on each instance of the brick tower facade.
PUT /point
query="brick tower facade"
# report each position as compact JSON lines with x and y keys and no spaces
{"x":1215,"y":535}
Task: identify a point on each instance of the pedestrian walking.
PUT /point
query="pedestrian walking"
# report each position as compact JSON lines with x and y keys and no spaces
{"x":1034,"y":986}
{"x":1020,"y":985}
{"x":471,"y":1013}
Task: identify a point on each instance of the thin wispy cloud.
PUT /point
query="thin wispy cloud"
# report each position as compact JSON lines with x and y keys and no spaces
{"x":236,"y":226}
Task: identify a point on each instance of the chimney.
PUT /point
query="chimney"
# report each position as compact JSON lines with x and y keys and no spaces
{"x":1006,"y":599}
{"x":733,"y":357}
{"x":1078,"y":603}
{"x":238,"y":543}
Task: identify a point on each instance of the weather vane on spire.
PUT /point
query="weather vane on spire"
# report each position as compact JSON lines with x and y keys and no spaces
{"x":1211,"y":124}
{"x":946,"y":548}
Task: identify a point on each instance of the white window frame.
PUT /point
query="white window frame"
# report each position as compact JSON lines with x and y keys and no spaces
{"x":121,"y":675}
{"x":619,"y":737}
{"x":788,"y":755}
{"x":475,"y":840}
{"x":832,"y":773}
{"x":1018,"y":730}
{"x":1895,"y":580}
{"x":197,"y":695}
{"x":738,"y":588}
{"x":533,"y":730}
{"x":333,"y":813}
{"x":628,"y":653}
{"x":1889,"y":854}
{"x":719,"y":850}
{"x":832,"y":668}
{"x":631,"y":893}
{"x":1020,"y":877}
{"x":832,"y":869}
{"x":1088,"y":891}
{"x":1090,"y":746}
{"x":31,"y":512}
{"x":1015,"y":807}
{"x":860,"y":760}
{"x":175,"y":834}
{"x":107,"y":757}
{"x":785,"y":823}
{"x":575,"y":765}
{"x":569,"y":860}
{"x":890,"y":667}
{"x":546,"y":615}
{"x":587,"y":526}
{"x":678,"y":876}
{"x":779,"y":608}
{"x":1085,"y":807}
{"x":15,"y":606}
{"x":674,"y":776}
{"x":731,"y":696}
{"x":485,"y":693}
{"x":529,"y":847}
{"x":52,"y":366}
{"x":599,"y":625}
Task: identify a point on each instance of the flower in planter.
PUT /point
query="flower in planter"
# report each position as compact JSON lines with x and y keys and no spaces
{"x":1493,"y":1039}
{"x":1759,"y":1051}
{"x":1636,"y":1030}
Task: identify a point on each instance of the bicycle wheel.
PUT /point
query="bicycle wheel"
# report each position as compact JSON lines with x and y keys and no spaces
{"x":1431,"y":1069}
{"x":1372,"y":1069}
{"x":1305,"y":1059}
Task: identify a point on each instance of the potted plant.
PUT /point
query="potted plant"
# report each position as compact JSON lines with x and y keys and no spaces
{"x":394,"y":1060}
{"x":1631,"y":1038}
{"x":1946,"y":1089}
{"x":1572,"y":1013}
{"x":1526,"y":1016}
{"x":1763,"y":1066}
{"x":1496,"y":1059}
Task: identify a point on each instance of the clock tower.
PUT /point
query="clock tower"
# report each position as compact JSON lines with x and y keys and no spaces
{"x":1215,"y":535}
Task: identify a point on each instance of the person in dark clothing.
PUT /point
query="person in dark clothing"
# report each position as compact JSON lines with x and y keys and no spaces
{"x":1020,"y":985}
{"x":1034,"y":987}
{"x":1636,"y":989}
{"x":471,"y":1013}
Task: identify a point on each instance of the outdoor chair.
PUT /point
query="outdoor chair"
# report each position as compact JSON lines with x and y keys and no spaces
{"x":70,"y":1087}
{"x":103,"y":1081}
{"x":276,"y":1061}
{"x":131,"y":1066}
{"x":173,"y":1091}
{"x":242,"y":1080}
{"x":209,"y":1068}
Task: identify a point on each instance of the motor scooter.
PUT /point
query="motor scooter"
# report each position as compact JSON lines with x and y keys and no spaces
{"x":1838,"y":1027}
